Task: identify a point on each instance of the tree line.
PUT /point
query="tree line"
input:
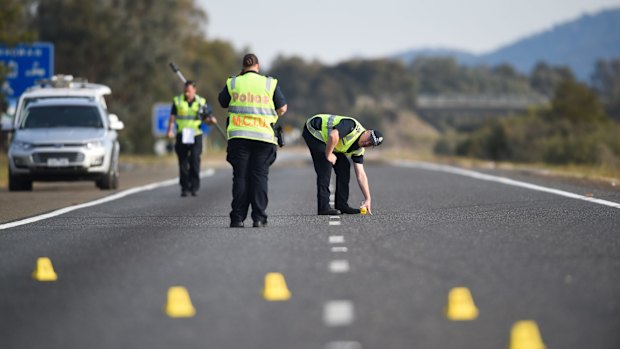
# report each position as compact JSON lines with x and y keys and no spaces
{"x":127,"y":45}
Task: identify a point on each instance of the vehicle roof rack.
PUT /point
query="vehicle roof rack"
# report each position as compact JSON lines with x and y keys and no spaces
{"x":62,"y":81}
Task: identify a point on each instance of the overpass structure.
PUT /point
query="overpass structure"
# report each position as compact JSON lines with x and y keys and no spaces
{"x":458,"y":109}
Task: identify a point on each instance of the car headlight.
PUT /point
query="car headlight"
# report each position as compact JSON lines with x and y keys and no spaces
{"x":22,"y":145}
{"x":94,"y":144}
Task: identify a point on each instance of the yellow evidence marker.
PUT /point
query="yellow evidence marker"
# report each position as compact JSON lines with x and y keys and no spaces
{"x":525,"y":335}
{"x":275,"y":288}
{"x":363,"y":210}
{"x":461,"y":305}
{"x":44,"y":271}
{"x":178,"y":303}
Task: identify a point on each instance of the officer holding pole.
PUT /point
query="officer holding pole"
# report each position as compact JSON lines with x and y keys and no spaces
{"x":188,"y":112}
{"x":330,"y":139}
{"x":254,"y":104}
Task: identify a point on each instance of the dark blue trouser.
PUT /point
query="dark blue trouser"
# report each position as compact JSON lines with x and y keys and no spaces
{"x":250,"y":161}
{"x":323,"y":169}
{"x":189,"y":163}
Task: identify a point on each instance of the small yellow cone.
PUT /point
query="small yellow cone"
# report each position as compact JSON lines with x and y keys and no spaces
{"x":525,"y":335}
{"x":275,"y":288}
{"x":461,"y":305}
{"x":179,"y":304}
{"x":44,"y":271}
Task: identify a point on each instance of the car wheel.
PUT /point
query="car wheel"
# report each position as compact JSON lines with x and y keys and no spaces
{"x":110,"y":180}
{"x":19,"y":183}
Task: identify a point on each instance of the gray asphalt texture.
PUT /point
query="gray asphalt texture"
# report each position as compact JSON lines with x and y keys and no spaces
{"x":524,"y":255}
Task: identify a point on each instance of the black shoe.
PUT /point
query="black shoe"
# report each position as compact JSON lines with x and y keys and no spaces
{"x":349,"y":210}
{"x":194,"y":193}
{"x":329,"y":212}
{"x":236,"y":224}
{"x":183,"y":193}
{"x":259,"y":224}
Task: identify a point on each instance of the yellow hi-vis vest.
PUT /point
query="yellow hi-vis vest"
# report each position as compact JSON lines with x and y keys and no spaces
{"x":327,"y":124}
{"x":187,"y":117}
{"x":251,"y":112}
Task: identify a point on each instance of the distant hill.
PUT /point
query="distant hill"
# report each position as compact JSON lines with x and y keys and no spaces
{"x":577,"y":44}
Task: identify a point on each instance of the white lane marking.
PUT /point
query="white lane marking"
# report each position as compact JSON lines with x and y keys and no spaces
{"x":336,"y":239}
{"x":103,"y":200}
{"x":343,"y":345}
{"x":503,"y":180}
{"x":334,"y":222}
{"x":339,"y":266}
{"x":338,"y":313}
{"x":334,"y":217}
{"x":339,"y":249}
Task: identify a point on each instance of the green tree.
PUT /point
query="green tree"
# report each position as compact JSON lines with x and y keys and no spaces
{"x":606,"y":81}
{"x":127,"y":45}
{"x":576,"y":103}
{"x":545,"y":78}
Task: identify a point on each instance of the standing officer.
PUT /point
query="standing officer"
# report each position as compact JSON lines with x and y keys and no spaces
{"x":254,"y":104}
{"x":188,"y":112}
{"x":331,"y":138}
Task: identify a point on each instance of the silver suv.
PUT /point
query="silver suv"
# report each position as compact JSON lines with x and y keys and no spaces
{"x":62,"y":139}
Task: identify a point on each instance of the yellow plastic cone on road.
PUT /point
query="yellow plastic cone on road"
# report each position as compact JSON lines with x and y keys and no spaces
{"x":44,"y":271}
{"x":179,"y":304}
{"x":525,"y":335}
{"x":275,"y":288}
{"x":461,"y":305}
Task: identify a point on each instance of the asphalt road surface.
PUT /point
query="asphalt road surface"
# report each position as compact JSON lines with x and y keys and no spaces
{"x":379,"y":281}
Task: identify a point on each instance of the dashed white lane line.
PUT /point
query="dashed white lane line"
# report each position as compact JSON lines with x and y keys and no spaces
{"x":103,"y":200}
{"x":336,"y":239}
{"x":334,"y":223}
{"x":343,"y":345}
{"x":334,"y":217}
{"x":338,"y":313}
{"x":339,"y":266}
{"x":503,"y":180}
{"x":339,"y":249}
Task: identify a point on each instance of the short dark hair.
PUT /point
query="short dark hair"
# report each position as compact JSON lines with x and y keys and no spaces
{"x":249,"y":60}
{"x":190,"y":83}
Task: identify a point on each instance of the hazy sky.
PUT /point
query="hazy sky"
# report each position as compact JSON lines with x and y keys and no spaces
{"x":335,"y":30}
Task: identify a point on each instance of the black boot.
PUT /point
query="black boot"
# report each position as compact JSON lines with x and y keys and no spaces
{"x":329,"y":212}
{"x":349,"y":210}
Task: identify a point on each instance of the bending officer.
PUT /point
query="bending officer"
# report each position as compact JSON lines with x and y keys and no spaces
{"x":330,"y":139}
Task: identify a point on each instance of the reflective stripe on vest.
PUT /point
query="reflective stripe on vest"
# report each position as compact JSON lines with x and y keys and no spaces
{"x":327,"y":124}
{"x":252,"y":135}
{"x":187,"y":117}
{"x":251,"y":112}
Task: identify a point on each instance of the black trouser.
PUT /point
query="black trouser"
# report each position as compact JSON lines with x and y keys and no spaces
{"x":250,"y":161}
{"x":189,"y":163}
{"x":323,"y":169}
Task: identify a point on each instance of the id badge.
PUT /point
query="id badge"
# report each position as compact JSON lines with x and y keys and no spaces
{"x":188,"y":135}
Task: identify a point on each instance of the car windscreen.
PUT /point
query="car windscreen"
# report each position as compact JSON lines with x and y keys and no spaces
{"x":62,"y":116}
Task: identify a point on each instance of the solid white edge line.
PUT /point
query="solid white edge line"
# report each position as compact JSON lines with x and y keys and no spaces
{"x":503,"y":180}
{"x":116,"y":196}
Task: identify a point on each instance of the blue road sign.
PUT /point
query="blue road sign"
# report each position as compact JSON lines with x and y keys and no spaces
{"x":27,"y":63}
{"x":161,"y":114}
